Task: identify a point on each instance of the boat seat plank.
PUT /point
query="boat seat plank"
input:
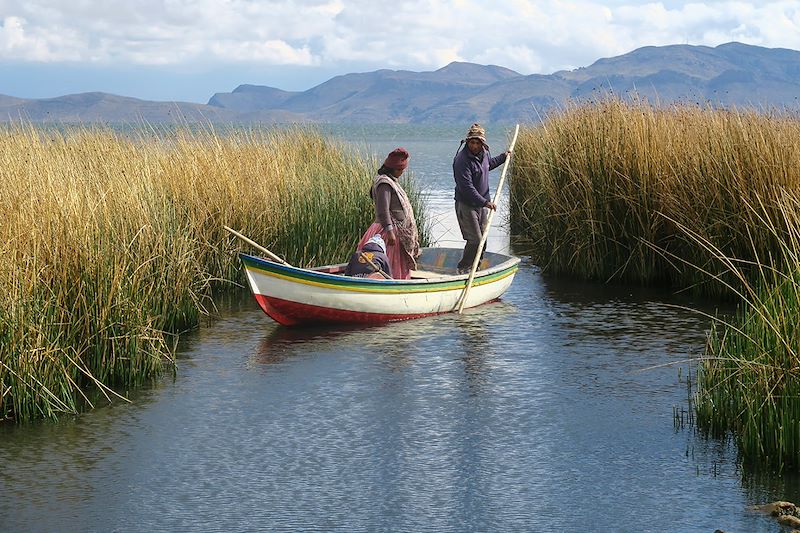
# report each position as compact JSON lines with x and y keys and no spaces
{"x":424,"y":274}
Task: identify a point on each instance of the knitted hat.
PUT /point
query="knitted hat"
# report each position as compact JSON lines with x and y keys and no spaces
{"x":377,"y":240}
{"x":476,"y":132}
{"x":397,"y":159}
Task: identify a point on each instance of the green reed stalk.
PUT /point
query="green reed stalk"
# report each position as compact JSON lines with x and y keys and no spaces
{"x":750,"y":378}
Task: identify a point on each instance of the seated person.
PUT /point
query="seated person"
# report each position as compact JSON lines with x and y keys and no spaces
{"x":366,"y":262}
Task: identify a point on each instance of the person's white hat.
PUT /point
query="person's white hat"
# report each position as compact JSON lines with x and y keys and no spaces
{"x":377,"y":239}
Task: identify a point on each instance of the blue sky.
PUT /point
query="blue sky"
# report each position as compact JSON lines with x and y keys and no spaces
{"x":189,"y":49}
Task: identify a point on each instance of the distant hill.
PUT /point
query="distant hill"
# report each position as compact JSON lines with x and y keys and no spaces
{"x":103,"y":107}
{"x":379,"y":96}
{"x":732,"y":74}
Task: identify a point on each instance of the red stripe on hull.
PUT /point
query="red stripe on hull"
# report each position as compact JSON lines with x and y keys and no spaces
{"x":294,"y":313}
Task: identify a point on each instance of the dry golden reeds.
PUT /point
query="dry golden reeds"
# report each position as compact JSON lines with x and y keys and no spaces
{"x":597,"y":190}
{"x":111,"y":241}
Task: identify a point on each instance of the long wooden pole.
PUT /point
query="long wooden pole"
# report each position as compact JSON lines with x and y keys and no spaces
{"x":256,"y":245}
{"x":462,"y":300}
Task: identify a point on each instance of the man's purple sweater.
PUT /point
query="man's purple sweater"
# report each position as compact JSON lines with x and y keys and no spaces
{"x":471,"y":173}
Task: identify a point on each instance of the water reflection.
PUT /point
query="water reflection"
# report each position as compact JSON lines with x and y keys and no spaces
{"x":764,"y":486}
{"x":395,"y":344}
{"x":475,"y":347}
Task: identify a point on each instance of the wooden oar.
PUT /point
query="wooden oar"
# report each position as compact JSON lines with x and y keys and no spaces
{"x":258,"y":246}
{"x":376,"y":267}
{"x":462,"y":300}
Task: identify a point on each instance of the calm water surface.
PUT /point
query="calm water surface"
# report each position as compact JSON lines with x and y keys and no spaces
{"x":548,"y":411}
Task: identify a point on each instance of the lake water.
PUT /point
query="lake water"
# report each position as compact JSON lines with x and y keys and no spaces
{"x":551,"y":410}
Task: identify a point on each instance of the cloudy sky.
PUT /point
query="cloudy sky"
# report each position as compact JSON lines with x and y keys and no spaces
{"x":189,"y":49}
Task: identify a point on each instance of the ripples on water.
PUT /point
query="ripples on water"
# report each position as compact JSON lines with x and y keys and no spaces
{"x":533,"y":413}
{"x":550,"y":410}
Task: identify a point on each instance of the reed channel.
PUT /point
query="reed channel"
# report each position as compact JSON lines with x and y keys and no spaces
{"x":695,"y":199}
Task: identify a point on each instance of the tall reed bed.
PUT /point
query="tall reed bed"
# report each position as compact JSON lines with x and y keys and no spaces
{"x":689,"y":197}
{"x":599,"y":190}
{"x":111,"y":242}
{"x":750,"y":378}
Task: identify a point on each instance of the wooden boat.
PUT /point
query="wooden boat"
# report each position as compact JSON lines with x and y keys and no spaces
{"x":292,"y":296}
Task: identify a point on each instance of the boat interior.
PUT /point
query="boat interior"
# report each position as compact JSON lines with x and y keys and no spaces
{"x":434,"y":263}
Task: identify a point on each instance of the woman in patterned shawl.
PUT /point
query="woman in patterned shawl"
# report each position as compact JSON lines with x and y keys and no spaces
{"x":394,"y":216}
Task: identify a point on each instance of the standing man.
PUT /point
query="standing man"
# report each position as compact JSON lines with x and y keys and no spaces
{"x":471,"y":168}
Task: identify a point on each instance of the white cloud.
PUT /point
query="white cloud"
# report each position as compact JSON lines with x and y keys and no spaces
{"x":21,"y":42}
{"x":274,"y":52}
{"x":530,"y":37}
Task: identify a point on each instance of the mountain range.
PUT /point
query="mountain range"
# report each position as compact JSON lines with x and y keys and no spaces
{"x":732,"y":74}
